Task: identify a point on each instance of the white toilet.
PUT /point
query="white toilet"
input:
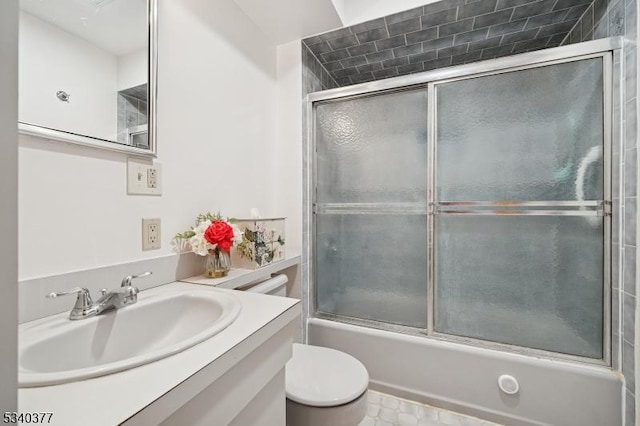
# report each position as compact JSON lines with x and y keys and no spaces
{"x":323,"y":386}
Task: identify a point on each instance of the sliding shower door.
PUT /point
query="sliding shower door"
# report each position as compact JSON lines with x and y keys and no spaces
{"x":472,"y":206}
{"x":519,"y":225}
{"x":371,"y":207}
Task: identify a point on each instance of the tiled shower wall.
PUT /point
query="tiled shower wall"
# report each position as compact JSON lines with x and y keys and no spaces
{"x":132,"y":110}
{"x":606,"y":19}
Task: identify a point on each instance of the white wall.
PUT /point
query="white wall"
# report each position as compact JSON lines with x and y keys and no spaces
{"x":132,"y":69}
{"x":8,"y":211}
{"x":51,"y":60}
{"x":355,"y":11}
{"x":216,"y":142}
{"x":289,"y":177}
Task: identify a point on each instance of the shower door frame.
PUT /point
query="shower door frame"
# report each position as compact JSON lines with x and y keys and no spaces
{"x":610,"y":50}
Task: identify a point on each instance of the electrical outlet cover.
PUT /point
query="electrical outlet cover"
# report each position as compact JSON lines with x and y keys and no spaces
{"x":151,"y":236}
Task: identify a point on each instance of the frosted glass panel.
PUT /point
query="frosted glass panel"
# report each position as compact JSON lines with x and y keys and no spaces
{"x":522,"y":280}
{"x":373,"y":267}
{"x":373,"y":149}
{"x":526,"y":135}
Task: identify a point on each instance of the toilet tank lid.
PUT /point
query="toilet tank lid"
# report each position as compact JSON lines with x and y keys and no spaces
{"x":324,"y":377}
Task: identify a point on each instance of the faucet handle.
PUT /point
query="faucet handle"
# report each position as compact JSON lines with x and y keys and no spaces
{"x":126,"y":281}
{"x":83,"y":302}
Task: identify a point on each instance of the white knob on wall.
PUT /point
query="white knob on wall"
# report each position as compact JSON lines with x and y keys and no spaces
{"x":508,"y":384}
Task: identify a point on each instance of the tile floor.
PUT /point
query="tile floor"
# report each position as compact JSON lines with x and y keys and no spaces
{"x":388,"y":410}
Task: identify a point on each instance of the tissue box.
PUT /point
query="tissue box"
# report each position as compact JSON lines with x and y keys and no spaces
{"x":262,"y":243}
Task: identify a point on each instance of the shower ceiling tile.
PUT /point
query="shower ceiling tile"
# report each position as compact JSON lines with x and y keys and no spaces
{"x":481,"y":29}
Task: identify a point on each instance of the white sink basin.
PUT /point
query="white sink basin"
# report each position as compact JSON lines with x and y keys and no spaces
{"x":56,"y":350}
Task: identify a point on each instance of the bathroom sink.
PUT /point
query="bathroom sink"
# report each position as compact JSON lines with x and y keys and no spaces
{"x":57,"y":350}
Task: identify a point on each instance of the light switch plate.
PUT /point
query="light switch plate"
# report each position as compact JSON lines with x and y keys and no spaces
{"x":143,"y":177}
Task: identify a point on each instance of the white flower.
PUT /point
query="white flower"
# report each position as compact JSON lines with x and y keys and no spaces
{"x":198,"y":243}
{"x":237,"y":234}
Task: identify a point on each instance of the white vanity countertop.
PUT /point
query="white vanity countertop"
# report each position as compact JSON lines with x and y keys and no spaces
{"x":112,"y":399}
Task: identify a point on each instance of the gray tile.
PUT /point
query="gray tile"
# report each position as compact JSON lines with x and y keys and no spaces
{"x":563,"y":4}
{"x":390,"y":43}
{"x":470,"y":36}
{"x":386,"y":73}
{"x":332,"y":66}
{"x":630,"y":68}
{"x":502,"y":4}
{"x":422,"y":57}
{"x":346,"y":72}
{"x":494,"y":52}
{"x":343,"y":81}
{"x":615,"y":172}
{"x":335,"y":34}
{"x":556,"y":40}
{"x":442,"y":5}
{"x":437,"y":43}
{"x":630,"y":221}
{"x":403,"y":16}
{"x":407,"y":50}
{"x":546,"y":19}
{"x":377,"y":66}
{"x":334,"y":56}
{"x":403,"y":27}
{"x":630,"y":124}
{"x":587,"y":21}
{"x":467,"y":57}
{"x":509,"y":27}
{"x":494,"y":18}
{"x":520,"y":36}
{"x":452,"y":51}
{"x":576,"y":12}
{"x":380,"y":56}
{"x":352,"y":62}
{"x":629,"y":409}
{"x":411,"y":68}
{"x":342,"y":42}
{"x":576,"y":34}
{"x":628,"y":316}
{"x":534,"y":44}
{"x":616,"y":19}
{"x":455,"y":27}
{"x":483,"y":44}
{"x":631,"y":23}
{"x":311,"y":40}
{"x":477,"y":8}
{"x":390,"y":63}
{"x":599,"y":10}
{"x":630,"y":172}
{"x":322,"y":47}
{"x":362,"y":49}
{"x":437,"y":63}
{"x":628,"y":366}
{"x":552,"y":29}
{"x":372,"y":35}
{"x":629,"y":281}
{"x":601,"y":30}
{"x":368,"y":26}
{"x":533,"y":9}
{"x":439,"y":18}
{"x":362,"y":78}
{"x":419,"y":36}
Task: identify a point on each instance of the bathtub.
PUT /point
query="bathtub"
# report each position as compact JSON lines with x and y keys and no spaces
{"x":465,"y":378}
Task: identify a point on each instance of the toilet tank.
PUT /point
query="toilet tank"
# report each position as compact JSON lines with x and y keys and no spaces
{"x":275,"y":286}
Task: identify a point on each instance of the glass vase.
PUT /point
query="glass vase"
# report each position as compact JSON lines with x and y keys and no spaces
{"x":217,"y":264}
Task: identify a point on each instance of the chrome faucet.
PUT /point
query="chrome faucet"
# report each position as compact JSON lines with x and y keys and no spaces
{"x":122,"y":296}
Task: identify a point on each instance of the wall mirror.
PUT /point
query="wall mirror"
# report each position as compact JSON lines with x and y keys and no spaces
{"x":88,"y":72}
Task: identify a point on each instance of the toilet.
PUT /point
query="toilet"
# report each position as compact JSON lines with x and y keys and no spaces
{"x":323,"y":386}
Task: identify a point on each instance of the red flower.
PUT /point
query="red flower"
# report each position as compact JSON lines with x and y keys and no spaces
{"x":220,"y":233}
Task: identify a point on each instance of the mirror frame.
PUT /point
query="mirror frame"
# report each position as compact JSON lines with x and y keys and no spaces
{"x":152,"y":76}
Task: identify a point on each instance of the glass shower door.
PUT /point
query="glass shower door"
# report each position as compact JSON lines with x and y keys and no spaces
{"x":519,"y":254}
{"x":370,"y":207}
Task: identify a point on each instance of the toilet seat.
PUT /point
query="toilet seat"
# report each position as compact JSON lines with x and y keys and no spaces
{"x":324,"y":377}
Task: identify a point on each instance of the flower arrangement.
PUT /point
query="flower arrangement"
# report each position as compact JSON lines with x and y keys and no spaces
{"x":213,"y":236}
